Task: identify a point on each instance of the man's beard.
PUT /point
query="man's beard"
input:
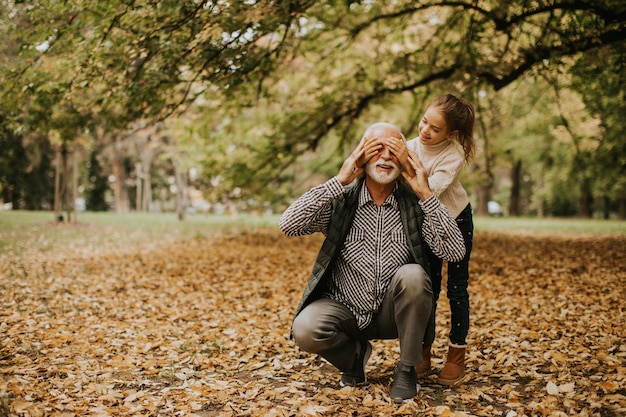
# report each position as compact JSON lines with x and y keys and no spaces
{"x":384,"y":177}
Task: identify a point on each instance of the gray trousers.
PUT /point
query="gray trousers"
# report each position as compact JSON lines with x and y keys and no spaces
{"x":327,"y":328}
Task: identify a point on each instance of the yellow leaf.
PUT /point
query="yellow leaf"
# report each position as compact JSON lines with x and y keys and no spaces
{"x":552,"y":388}
{"x":21,"y":406}
{"x":607,"y":386}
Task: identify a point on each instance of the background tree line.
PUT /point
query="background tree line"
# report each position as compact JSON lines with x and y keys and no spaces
{"x":154,"y":104}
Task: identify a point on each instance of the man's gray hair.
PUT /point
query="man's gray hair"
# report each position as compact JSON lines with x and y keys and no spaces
{"x":379,"y":125}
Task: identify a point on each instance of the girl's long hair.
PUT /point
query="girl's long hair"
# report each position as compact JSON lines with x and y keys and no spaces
{"x":459,"y":115}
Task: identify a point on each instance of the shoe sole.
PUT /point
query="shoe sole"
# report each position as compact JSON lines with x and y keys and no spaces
{"x":451,"y":382}
{"x":399,"y":400}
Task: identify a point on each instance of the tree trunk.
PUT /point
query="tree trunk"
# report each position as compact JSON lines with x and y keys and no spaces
{"x":586,"y":200}
{"x":606,"y":207}
{"x":516,"y":178}
{"x":75,"y":184}
{"x":483,"y":195}
{"x":119,"y":186}
{"x":147,"y":190}
{"x":181,"y":191}
{"x":66,"y":183}
{"x":58,"y":217}
{"x":538,"y":194}
{"x":147,"y":155}
{"x":138,"y":184}
{"x":622,"y":208}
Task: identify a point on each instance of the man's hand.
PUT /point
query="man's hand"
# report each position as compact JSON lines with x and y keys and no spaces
{"x":352,"y":167}
{"x":417,"y":177}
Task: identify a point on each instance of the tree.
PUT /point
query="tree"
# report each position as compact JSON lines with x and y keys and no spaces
{"x":344,"y":63}
{"x":317,"y":70}
{"x":522,"y":117}
{"x":599,"y":77}
{"x":108,"y":65}
{"x":25,"y":168}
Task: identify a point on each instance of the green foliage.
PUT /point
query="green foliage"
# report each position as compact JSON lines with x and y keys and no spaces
{"x":26,"y":176}
{"x":599,"y":77}
{"x":352,"y":66}
{"x":263,"y":97}
{"x":108,"y":64}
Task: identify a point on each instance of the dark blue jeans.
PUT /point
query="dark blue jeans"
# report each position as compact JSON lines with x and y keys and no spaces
{"x":458,"y":278}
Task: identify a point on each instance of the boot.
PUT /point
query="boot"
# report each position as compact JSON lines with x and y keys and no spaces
{"x":454,"y":369}
{"x":423,"y":369}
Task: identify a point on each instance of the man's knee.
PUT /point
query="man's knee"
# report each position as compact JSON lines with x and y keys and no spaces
{"x":303,"y":330}
{"x":323,"y":325}
{"x":413,"y":279}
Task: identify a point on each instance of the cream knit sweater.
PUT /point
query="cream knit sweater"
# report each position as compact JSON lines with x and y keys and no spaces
{"x":444,"y":163}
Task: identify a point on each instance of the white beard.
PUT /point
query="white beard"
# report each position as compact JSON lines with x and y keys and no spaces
{"x":383,"y":178}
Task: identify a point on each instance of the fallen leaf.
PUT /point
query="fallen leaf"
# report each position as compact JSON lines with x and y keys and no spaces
{"x":201,"y":327}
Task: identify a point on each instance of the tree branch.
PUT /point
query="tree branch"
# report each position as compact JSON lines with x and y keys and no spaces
{"x":540,"y":53}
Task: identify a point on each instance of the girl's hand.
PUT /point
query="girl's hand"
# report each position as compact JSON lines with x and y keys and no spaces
{"x":398,"y":147}
{"x":417,"y":177}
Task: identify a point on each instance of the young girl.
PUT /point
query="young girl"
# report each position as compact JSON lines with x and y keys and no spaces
{"x":447,"y":120}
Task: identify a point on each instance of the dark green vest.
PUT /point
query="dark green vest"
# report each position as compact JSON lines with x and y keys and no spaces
{"x":344,"y":209}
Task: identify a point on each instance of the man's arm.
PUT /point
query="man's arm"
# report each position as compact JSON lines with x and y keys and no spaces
{"x":311,"y":212}
{"x":441,"y":232}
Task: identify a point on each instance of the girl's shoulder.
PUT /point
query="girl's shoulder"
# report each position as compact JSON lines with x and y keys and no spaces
{"x":413,"y":144}
{"x":451,"y":152}
{"x":448,"y":156}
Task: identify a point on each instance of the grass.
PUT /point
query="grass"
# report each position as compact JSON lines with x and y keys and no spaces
{"x":27,"y":230}
{"x":22,"y":231}
{"x":572,"y":226}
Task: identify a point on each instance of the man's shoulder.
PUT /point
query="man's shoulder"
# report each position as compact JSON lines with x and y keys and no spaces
{"x":404,"y":191}
{"x":351,"y":193}
{"x":353,"y":188}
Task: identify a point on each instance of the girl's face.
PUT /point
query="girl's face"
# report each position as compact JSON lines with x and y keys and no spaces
{"x":433,"y":128}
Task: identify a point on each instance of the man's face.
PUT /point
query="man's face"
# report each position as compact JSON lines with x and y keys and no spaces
{"x":384,"y":167}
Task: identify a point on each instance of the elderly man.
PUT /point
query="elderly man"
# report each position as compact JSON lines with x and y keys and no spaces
{"x":370,"y":279}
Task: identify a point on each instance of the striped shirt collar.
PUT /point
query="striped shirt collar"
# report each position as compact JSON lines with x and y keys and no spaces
{"x":365,"y":197}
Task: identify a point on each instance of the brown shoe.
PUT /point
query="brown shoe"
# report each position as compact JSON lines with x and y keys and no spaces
{"x":454,"y":369}
{"x":423,"y":369}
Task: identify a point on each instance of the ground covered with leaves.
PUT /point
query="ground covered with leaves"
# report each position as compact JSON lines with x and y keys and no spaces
{"x":201,"y":328}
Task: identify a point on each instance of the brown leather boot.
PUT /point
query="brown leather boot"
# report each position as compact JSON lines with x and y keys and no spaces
{"x":423,"y":369}
{"x":454,"y":369}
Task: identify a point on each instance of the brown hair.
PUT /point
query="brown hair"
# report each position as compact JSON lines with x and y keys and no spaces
{"x":459,"y":115}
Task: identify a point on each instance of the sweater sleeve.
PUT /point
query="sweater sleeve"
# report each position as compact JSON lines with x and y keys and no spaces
{"x":312,"y":211}
{"x":445,"y":171}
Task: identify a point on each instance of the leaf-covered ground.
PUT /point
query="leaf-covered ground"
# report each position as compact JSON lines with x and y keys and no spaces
{"x":200,"y":328}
